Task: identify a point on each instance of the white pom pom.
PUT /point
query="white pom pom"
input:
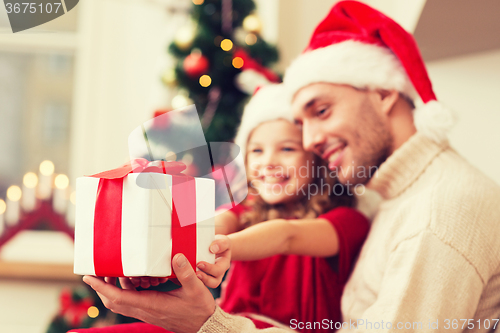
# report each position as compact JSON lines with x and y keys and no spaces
{"x":368,"y":202}
{"x":248,"y":80}
{"x":434,"y":120}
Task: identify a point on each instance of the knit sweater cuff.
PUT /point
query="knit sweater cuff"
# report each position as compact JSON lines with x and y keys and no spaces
{"x":219,"y":322}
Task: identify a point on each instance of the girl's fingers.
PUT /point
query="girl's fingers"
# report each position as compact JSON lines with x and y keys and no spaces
{"x":110,"y":280}
{"x":136,"y":281}
{"x":145,"y":282}
{"x":208,"y":280}
{"x":126,"y":283}
{"x":154,"y":282}
{"x":216,"y":270}
{"x":220,"y":244}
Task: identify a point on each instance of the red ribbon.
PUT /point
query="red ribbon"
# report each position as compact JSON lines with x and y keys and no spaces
{"x":108,"y":210}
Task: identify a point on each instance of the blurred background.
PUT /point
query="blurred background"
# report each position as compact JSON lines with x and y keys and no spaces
{"x":72,"y":90}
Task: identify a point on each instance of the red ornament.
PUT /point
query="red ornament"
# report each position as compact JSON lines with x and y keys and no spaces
{"x":195,"y":65}
{"x":160,"y":120}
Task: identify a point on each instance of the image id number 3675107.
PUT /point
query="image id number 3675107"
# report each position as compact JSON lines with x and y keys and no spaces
{"x":32,"y":8}
{"x":470,"y":323}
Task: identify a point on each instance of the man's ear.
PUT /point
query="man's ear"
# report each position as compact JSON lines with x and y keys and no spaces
{"x":387,"y":99}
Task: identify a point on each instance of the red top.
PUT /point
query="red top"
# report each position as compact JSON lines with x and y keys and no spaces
{"x":293,"y":289}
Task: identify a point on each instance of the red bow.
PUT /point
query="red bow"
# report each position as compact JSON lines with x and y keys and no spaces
{"x":142,"y":165}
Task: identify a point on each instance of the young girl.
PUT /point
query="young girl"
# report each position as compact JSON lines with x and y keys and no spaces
{"x":292,"y":268}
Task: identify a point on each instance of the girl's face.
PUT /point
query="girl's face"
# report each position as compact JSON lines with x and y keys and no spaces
{"x":278,"y":166}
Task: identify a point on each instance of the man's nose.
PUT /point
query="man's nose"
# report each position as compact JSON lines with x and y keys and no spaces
{"x":312,"y":138}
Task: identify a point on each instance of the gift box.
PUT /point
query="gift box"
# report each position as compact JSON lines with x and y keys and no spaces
{"x":132,"y":220}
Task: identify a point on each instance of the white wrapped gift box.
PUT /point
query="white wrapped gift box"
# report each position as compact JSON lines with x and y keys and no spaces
{"x":144,"y":243}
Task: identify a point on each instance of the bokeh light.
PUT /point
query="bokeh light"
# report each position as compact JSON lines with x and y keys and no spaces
{"x":205,"y":80}
{"x":171,"y":156}
{"x":61,"y":181}
{"x":14,"y":193}
{"x":226,"y":44}
{"x":30,"y":180}
{"x":251,"y":39}
{"x":3,"y":206}
{"x":46,"y":168}
{"x":180,"y":101}
{"x":238,"y":62}
{"x":93,"y":312}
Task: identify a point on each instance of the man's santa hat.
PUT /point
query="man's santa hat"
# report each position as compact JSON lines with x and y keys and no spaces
{"x":359,"y":46}
{"x":269,"y":102}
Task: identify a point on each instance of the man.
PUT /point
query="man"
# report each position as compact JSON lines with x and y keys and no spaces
{"x":432,"y":258}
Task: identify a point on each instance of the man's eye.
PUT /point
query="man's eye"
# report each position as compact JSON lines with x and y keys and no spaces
{"x":321,"y":112}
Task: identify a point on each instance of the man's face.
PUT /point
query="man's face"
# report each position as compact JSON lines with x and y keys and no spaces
{"x":347,"y":127}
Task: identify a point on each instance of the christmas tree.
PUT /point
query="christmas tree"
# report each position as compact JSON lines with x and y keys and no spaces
{"x":220,"y":59}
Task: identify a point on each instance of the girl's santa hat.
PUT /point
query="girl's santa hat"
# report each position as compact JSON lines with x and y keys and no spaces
{"x":270,"y":102}
{"x":359,"y":46}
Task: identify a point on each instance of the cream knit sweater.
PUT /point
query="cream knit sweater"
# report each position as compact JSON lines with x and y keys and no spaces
{"x":431,"y":261}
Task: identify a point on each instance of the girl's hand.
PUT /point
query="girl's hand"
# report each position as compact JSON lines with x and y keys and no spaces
{"x":143,"y":282}
{"x":212,"y":274}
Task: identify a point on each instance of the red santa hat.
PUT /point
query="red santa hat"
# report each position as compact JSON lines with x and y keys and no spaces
{"x":269,"y":102}
{"x":359,"y":46}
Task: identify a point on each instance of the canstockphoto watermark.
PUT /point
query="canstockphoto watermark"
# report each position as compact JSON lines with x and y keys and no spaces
{"x":26,"y":14}
{"x":327,"y":324}
{"x":365,"y":324}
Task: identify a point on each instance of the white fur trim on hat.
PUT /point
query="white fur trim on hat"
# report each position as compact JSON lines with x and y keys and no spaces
{"x":271,"y":102}
{"x":368,"y":202}
{"x":434,"y":120}
{"x":353,"y":63}
{"x":248,"y":80}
